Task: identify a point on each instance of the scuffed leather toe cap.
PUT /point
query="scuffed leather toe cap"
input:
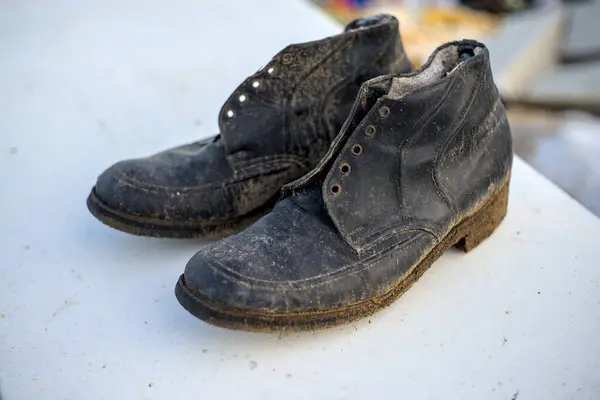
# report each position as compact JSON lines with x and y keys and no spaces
{"x":208,"y":279}
{"x":211,"y":280}
{"x":129,"y":187}
{"x":192,"y":182}
{"x":137,"y":188}
{"x":118,"y":188}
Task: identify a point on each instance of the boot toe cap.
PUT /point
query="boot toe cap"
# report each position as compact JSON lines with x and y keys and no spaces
{"x":208,"y":279}
{"x":121,"y":187}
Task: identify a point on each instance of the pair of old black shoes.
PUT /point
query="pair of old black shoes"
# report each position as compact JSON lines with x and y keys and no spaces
{"x":382,"y":170}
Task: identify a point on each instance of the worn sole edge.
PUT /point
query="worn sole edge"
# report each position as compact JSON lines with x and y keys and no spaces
{"x":466,"y":235}
{"x":142,"y":226}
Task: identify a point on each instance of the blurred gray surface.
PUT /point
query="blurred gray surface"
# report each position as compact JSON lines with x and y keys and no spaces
{"x":582,"y":36}
{"x":564,"y":147}
{"x":524,"y":46}
{"x":573,"y":86}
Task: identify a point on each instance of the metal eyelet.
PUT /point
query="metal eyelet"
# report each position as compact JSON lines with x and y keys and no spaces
{"x":336,"y":189}
{"x":384,"y":112}
{"x":345,"y":168}
{"x":242,"y":98}
{"x":370,"y":130}
{"x":287,"y":58}
{"x":230,"y":113}
{"x":271,"y":70}
{"x":357,"y":149}
{"x":255,"y":84}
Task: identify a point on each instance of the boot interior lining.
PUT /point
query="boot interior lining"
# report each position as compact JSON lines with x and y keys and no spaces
{"x":444,"y":62}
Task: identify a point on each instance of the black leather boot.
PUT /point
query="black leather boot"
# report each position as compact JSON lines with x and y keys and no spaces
{"x":422,"y":164}
{"x":275,"y":127}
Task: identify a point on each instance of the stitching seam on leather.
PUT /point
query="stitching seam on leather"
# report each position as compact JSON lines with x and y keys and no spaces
{"x":132,"y":182}
{"x":444,"y":145}
{"x":337,"y":274}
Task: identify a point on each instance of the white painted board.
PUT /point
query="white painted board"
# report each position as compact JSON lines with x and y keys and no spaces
{"x":89,"y":312}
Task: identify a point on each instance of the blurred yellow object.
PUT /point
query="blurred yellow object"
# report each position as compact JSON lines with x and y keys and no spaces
{"x":434,"y":15}
{"x":437,"y":25}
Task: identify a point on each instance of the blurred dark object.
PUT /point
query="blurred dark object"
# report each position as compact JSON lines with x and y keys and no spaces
{"x":499,"y":6}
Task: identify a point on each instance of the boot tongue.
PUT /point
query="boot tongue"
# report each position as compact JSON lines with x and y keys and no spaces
{"x":307,"y":190}
{"x":368,"y":95}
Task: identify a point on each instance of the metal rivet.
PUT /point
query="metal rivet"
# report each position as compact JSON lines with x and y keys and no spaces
{"x":356,"y":149}
{"x":384,"y":112}
{"x":230,"y":113}
{"x":345,"y":168}
{"x":370,"y":130}
{"x":242,"y":98}
{"x":287,"y":58}
{"x":336,"y":189}
{"x":255,"y":84}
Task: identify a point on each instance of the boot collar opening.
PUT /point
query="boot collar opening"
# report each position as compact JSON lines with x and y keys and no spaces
{"x":369,"y":22}
{"x":444,"y":62}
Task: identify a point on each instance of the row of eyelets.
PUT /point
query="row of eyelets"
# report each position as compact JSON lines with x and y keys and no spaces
{"x":242,"y":97}
{"x":286,"y":59}
{"x":357,"y":149}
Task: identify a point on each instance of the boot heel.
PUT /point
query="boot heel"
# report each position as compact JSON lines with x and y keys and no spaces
{"x":484,"y":222}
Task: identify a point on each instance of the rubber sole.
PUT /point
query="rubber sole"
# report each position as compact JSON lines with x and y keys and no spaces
{"x":466,"y":235}
{"x":154,"y":227}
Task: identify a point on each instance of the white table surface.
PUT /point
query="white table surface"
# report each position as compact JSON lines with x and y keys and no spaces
{"x":89,"y":312}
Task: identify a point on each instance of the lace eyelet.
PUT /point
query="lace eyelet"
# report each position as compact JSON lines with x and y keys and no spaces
{"x":370,"y":130}
{"x":242,"y":98}
{"x":255,"y":84}
{"x":336,"y":189}
{"x":345,"y":168}
{"x":357,"y":149}
{"x":230,"y":113}
{"x":384,"y":112}
{"x":271,"y":70}
{"x":287,"y":58}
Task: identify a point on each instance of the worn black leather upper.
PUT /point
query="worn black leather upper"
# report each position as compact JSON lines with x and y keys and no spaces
{"x":417,"y":153}
{"x":274,"y":128}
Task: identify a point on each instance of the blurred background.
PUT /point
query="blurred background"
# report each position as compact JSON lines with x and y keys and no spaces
{"x":546,"y":61}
